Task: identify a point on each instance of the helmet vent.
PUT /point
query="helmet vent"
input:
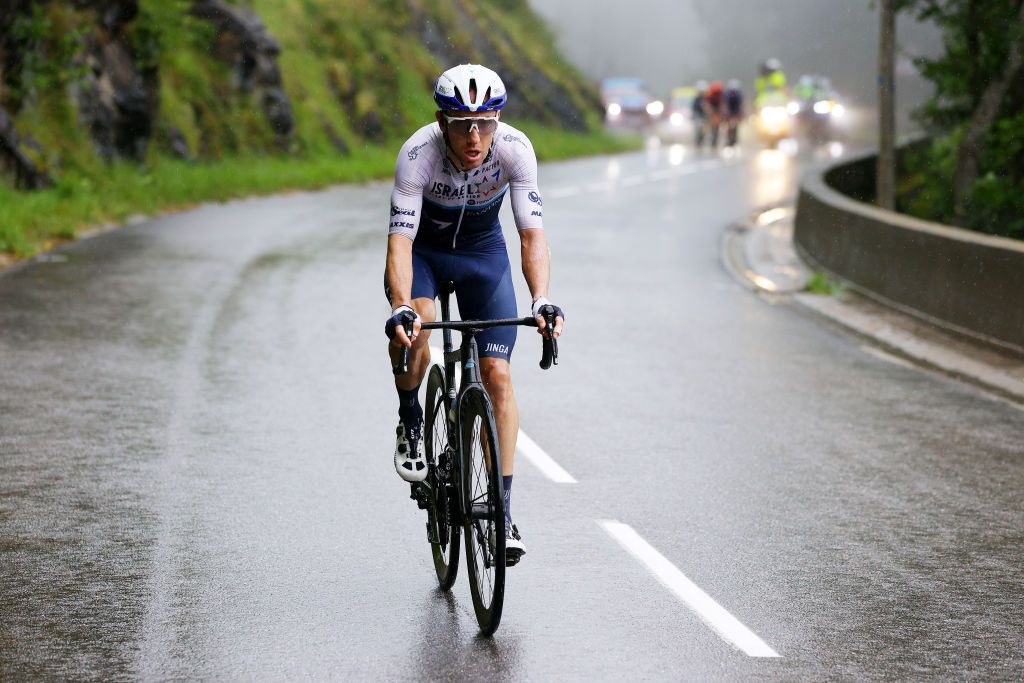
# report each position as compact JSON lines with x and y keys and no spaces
{"x":458,"y":95}
{"x":472,"y":87}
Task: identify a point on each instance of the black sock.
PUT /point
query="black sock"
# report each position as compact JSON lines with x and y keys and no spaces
{"x":506,"y":481}
{"x":409,"y":410}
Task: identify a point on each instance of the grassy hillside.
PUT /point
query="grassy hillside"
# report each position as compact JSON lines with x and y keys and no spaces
{"x":354,"y":77}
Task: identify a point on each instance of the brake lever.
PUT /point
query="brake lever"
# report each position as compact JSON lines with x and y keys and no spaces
{"x":550,"y":344}
{"x":403,"y":359}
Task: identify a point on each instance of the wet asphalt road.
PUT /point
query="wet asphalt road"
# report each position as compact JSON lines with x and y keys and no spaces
{"x":196,"y":427}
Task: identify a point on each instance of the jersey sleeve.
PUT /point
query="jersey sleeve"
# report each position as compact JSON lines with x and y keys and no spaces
{"x":407,"y":195}
{"x":527,"y":206}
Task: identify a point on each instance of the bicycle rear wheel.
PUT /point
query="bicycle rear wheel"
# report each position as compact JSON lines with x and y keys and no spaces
{"x":441,"y":461}
{"x":484,"y":507}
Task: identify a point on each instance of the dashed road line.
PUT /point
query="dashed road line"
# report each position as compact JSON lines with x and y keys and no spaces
{"x":528,"y":448}
{"x":559,"y":192}
{"x":525,"y":446}
{"x":711,"y":613}
{"x":633,"y":181}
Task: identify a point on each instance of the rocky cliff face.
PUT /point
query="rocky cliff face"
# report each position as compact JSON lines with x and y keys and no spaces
{"x":203,"y":78}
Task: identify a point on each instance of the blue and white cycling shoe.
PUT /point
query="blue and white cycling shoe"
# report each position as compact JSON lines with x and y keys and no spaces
{"x":410,"y":463}
{"x":514,"y":546}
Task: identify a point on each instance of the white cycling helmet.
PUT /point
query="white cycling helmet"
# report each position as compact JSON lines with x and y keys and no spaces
{"x":454,"y":87}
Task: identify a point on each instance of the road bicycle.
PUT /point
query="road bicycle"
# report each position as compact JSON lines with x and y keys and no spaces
{"x":463,"y":492}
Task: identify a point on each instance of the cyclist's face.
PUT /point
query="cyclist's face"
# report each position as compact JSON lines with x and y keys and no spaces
{"x":469,"y":140}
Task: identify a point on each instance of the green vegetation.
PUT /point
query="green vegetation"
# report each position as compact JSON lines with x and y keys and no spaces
{"x":972,"y":175}
{"x":822,"y":283}
{"x":35,"y":220}
{"x":358,"y":75}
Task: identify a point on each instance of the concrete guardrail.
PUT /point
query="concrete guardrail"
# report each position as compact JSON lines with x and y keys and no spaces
{"x":963,"y":280}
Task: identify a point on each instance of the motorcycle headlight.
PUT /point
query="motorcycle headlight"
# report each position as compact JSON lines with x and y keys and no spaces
{"x":773,"y":115}
{"x":822,"y":107}
{"x":676,"y":119}
{"x":838,"y":110}
{"x":655,"y":108}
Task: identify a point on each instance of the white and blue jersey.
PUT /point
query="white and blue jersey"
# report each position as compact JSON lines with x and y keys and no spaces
{"x":452,"y":218}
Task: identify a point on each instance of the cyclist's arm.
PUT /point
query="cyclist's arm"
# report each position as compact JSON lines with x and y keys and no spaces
{"x":536,"y":262}
{"x":527,"y":207}
{"x":406,"y":207}
{"x":398,"y":270}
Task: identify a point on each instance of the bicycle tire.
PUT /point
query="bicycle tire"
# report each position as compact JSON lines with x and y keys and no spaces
{"x":439,"y":455}
{"x":484,"y":509}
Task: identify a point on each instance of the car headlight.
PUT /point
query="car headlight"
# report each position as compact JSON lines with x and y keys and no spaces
{"x":614,"y":109}
{"x":838,"y":110}
{"x":822,"y":106}
{"x":793,"y":108}
{"x":676,"y":119}
{"x":655,"y":108}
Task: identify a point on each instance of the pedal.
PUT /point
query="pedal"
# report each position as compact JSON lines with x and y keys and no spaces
{"x":420,"y":497}
{"x":432,"y":528}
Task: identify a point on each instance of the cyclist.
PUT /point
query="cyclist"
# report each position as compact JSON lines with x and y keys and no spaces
{"x":450,"y":179}
{"x":733,"y":110}
{"x":770,"y":83}
{"x":713,"y":104}
{"x":699,"y":114}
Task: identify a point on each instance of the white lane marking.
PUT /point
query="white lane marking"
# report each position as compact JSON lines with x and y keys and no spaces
{"x":710,"y":612}
{"x":633,"y":181}
{"x":525,"y":446}
{"x":560,"y":192}
{"x":529,"y":449}
{"x":888,"y":357}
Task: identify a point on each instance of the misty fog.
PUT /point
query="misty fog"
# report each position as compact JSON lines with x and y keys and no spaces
{"x":676,"y":42}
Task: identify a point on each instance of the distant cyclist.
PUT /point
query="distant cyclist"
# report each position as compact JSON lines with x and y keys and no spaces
{"x":770,"y":84}
{"x":714,"y":110}
{"x":733,"y":111}
{"x":450,"y":180}
{"x":699,"y":114}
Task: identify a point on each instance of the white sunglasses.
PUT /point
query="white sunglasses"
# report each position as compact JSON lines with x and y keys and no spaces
{"x":464,"y":125}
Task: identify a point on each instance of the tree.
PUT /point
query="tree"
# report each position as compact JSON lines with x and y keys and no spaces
{"x":885,"y":192}
{"x":975,"y":173}
{"x":984,"y":115}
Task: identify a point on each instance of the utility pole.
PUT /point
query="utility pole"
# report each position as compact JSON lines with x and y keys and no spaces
{"x":885,"y":174}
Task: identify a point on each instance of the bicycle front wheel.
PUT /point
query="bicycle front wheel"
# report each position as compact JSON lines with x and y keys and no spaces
{"x":441,"y":460}
{"x":484,"y":508}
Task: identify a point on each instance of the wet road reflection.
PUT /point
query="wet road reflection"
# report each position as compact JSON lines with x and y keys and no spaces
{"x":196,"y":478}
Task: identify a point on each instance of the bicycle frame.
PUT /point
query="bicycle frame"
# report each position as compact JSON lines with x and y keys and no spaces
{"x":455,"y":471}
{"x":469,"y":356}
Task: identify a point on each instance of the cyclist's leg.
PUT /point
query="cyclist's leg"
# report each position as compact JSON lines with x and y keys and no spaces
{"x":424,"y":290}
{"x":409,"y":461}
{"x":484,"y":291}
{"x":487,"y":292}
